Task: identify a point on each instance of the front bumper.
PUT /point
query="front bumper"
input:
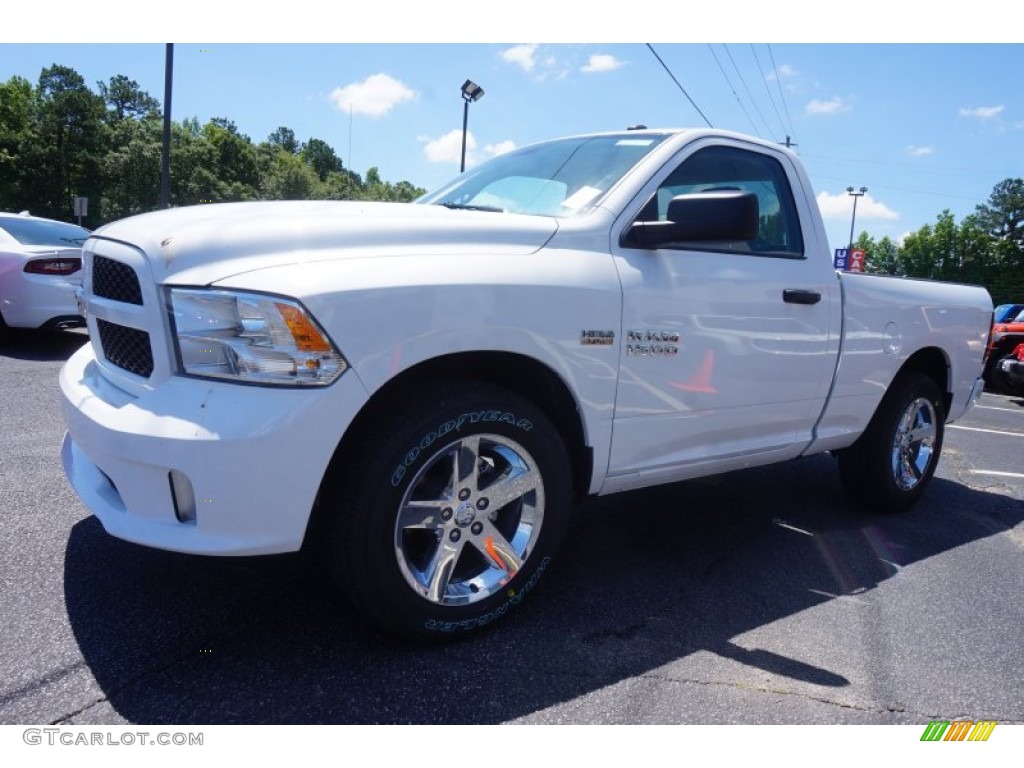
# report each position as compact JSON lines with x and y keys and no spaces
{"x":1013,"y":369}
{"x":254,"y":456}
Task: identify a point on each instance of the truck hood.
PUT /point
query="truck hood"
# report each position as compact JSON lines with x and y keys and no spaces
{"x":201,"y":244}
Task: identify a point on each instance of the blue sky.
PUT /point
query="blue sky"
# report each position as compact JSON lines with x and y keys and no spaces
{"x":925,"y":126}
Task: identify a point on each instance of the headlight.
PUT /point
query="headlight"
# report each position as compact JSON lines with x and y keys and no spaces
{"x":250,"y":337}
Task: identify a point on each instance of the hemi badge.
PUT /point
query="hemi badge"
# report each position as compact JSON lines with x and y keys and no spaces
{"x":597,"y":338}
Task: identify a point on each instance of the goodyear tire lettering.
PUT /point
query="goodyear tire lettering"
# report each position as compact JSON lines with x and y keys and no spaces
{"x":454,"y":425}
{"x":486,"y":618}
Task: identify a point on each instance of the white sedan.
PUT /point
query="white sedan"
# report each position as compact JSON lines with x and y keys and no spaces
{"x":40,"y":269}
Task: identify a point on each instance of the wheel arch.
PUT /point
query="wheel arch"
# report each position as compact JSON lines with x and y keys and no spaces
{"x":933,"y":363}
{"x":518,"y":373}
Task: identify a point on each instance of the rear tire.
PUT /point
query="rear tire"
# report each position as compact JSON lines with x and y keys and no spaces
{"x":892,"y":463}
{"x":450,"y":512}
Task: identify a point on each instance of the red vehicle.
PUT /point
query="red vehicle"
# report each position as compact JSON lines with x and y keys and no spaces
{"x":1004,"y":369}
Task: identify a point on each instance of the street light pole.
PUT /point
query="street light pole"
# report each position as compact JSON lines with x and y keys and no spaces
{"x":470,"y":92}
{"x":465,"y":123}
{"x":854,"y":194}
{"x":165,"y":158}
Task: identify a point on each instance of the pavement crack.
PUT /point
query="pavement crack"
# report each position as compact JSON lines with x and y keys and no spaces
{"x":42,"y":682}
{"x":882,"y":709}
{"x":63,"y":720}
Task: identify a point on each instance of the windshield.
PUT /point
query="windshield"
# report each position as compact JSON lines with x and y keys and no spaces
{"x":43,"y":231}
{"x":556,"y":178}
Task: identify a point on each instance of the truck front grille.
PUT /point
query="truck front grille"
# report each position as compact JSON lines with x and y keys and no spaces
{"x":114,"y":280}
{"x":127,"y":348}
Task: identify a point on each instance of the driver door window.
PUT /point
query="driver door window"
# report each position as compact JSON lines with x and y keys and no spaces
{"x":717,"y":168}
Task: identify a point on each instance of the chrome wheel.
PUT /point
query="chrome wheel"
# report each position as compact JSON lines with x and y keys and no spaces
{"x":913,"y":444}
{"x":469,"y":519}
{"x":894,"y":460}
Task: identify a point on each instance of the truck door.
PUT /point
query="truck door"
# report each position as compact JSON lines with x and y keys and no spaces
{"x":728,"y":348}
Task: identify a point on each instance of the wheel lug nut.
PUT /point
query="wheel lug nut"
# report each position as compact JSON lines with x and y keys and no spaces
{"x":481,"y":504}
{"x":477,"y":528}
{"x":464,"y":494}
{"x":455,"y":535}
{"x":446,"y":514}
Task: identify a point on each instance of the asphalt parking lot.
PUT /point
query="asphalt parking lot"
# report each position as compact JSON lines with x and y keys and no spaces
{"x":757,"y":597}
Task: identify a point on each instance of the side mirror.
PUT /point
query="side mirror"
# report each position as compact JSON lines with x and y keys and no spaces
{"x":713,"y":216}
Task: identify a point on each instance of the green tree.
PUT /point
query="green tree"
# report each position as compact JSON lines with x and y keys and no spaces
{"x":1003,"y":215}
{"x":285,"y":139}
{"x":321,"y":158}
{"x":916,"y":253}
{"x":59,"y":140}
{"x":65,"y":150}
{"x":343,"y":185}
{"x":236,"y":166}
{"x":126,"y":99}
{"x":883,"y":257}
{"x":131,"y":168}
{"x":289,"y":178}
{"x":945,"y":254}
{"x":376,"y":188}
{"x":193,"y":165}
{"x":976,"y":253}
{"x":17,"y":109}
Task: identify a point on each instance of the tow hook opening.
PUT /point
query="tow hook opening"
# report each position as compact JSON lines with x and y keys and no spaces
{"x":183,"y":496}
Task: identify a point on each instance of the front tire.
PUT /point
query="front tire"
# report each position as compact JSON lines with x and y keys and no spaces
{"x":450,"y":513}
{"x":892,"y":463}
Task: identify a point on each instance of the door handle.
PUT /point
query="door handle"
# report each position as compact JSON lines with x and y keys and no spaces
{"x":797,"y":296}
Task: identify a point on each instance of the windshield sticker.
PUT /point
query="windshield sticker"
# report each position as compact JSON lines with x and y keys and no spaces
{"x":634,"y":142}
{"x":580,"y":197}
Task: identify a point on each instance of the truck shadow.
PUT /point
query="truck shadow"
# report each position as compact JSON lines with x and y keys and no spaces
{"x":42,"y":346}
{"x":646,"y":579}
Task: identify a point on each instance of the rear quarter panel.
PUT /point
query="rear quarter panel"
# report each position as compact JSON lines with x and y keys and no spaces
{"x":887,"y":320}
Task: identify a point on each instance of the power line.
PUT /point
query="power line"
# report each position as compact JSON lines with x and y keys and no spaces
{"x":750,"y":96}
{"x":918,"y":166}
{"x":874,"y":185}
{"x":731,"y":88}
{"x":782,"y":93}
{"x":663,"y":64}
{"x":767,"y":90}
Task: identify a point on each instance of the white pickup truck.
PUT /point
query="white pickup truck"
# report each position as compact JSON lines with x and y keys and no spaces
{"x":422,"y":390}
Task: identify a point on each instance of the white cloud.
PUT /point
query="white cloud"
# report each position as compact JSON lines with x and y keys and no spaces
{"x":982,"y":113}
{"x":831,"y":107}
{"x":493,"y":150}
{"x":448,"y":148}
{"x":375,"y":96}
{"x":781,"y":72}
{"x":524,"y":56}
{"x":840,"y":206}
{"x":915,"y":151}
{"x":602,"y":62}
